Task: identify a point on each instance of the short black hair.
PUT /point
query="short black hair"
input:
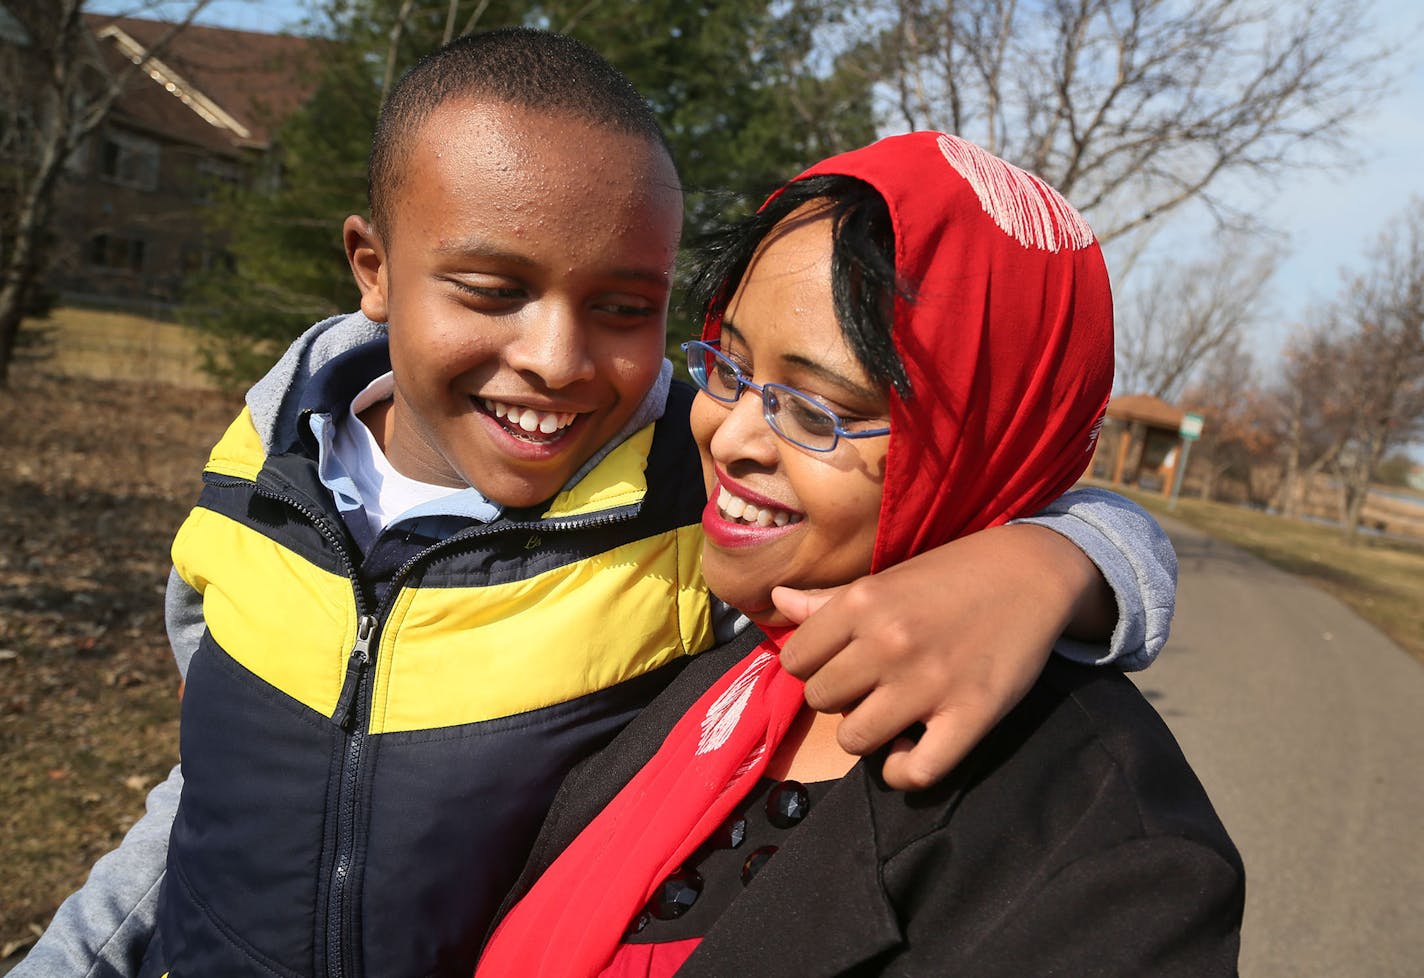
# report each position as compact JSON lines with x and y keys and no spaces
{"x":521,"y":66}
{"x":864,"y":284}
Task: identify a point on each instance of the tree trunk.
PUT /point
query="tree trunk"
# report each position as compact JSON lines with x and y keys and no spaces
{"x":1354,"y":496}
{"x":1285,"y":499}
{"x":12,"y":311}
{"x":22,"y":263}
{"x":1357,"y":488}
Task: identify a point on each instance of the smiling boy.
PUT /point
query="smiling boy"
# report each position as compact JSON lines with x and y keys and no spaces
{"x":524,"y":344}
{"x":450,"y":549}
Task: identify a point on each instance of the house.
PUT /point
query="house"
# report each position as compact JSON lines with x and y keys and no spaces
{"x":129,"y":223}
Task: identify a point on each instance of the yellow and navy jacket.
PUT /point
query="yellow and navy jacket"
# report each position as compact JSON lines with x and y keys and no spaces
{"x":370,"y":741}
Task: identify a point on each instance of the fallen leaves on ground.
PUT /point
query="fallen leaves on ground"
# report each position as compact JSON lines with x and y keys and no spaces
{"x":95,"y":477}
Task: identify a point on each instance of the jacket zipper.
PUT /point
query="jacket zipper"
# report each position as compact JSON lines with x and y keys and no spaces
{"x":347,"y":717}
{"x":353,"y":694}
{"x":352,"y":703}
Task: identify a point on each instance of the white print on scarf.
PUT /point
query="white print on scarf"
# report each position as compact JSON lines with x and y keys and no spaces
{"x":1097,"y":430}
{"x":1020,"y":203}
{"x":726,"y":710}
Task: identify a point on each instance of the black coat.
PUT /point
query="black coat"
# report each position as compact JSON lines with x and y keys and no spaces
{"x":1074,"y":841}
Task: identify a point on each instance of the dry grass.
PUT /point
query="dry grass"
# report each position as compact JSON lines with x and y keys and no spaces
{"x":1381,"y":579}
{"x":85,"y":343}
{"x":95,"y":477}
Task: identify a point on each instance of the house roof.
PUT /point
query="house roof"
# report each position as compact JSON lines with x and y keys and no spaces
{"x":1146,"y":408}
{"x":219,"y":88}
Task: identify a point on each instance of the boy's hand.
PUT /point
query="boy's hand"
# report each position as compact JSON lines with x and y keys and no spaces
{"x":951,"y":639}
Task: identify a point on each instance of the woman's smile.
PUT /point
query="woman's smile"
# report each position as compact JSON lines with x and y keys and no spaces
{"x":737,"y":517}
{"x":739,"y":508}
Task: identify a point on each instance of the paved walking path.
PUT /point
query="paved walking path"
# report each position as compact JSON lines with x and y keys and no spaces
{"x":1307,"y":727}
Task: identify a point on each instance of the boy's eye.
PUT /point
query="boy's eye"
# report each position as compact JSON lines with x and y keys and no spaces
{"x":630,"y":311}
{"x":491,"y":293}
{"x":626,"y":307}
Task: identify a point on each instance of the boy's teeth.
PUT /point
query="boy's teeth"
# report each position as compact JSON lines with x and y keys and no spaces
{"x":737,"y":508}
{"x":530,"y":420}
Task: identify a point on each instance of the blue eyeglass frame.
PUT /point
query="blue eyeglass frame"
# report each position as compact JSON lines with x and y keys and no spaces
{"x":697,"y":369}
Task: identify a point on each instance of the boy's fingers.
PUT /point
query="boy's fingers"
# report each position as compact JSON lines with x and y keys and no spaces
{"x":912,"y":766}
{"x":836,"y":688}
{"x":842,"y":680}
{"x":798,"y":605}
{"x":920,"y":759}
{"x":835,"y":618}
{"x":872,"y":723}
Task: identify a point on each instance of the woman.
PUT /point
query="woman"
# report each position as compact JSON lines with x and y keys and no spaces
{"x":910,"y":342}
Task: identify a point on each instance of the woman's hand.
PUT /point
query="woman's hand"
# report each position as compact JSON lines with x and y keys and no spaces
{"x":951,"y":639}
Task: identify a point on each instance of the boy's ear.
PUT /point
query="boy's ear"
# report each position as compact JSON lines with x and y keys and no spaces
{"x":366,"y":254}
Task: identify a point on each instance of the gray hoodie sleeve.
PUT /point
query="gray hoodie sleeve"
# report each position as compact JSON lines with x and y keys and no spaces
{"x":103,"y":929}
{"x":1137,"y":560}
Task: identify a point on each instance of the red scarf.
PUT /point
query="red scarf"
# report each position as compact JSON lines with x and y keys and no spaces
{"x":1008,"y":345}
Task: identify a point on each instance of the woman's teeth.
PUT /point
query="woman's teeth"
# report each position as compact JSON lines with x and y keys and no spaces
{"x":529,"y":420}
{"x":737,"y":508}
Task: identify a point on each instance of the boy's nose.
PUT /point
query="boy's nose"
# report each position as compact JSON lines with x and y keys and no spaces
{"x":551,"y":344}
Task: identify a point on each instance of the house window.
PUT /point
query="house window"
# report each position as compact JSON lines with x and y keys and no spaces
{"x":116,"y":253}
{"x":129,"y":160}
{"x":215,"y":177}
{"x":197,"y":259}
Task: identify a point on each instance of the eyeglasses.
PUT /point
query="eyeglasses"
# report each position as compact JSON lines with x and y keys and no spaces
{"x":793,"y":415}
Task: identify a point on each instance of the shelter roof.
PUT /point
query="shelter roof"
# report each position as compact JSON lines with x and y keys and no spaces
{"x":1146,"y":408}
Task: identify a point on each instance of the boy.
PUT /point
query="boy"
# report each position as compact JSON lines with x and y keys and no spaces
{"x":424,"y":580}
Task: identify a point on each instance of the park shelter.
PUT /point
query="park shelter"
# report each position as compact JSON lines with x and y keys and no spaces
{"x":1140,"y":443}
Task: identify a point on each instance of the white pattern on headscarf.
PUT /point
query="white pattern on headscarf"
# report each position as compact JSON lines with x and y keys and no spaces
{"x":1020,"y":203}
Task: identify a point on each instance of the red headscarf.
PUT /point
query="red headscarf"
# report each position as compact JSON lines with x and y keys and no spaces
{"x":1007,"y":340}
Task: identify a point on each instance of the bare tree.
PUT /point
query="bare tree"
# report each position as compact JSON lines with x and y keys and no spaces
{"x":1310,"y":419}
{"x":1382,"y":359}
{"x":1132,"y":108}
{"x":1354,"y":384}
{"x":57,"y":92}
{"x":1182,"y":313}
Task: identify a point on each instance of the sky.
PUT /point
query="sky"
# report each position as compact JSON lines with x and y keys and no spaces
{"x":1327,"y":217}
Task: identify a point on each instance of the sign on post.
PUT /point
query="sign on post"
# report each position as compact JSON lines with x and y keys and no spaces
{"x":1191,"y":427}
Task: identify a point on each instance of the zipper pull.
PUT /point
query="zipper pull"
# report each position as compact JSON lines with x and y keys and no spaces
{"x":356,"y":667}
{"x":365,"y":631}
